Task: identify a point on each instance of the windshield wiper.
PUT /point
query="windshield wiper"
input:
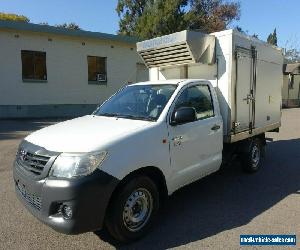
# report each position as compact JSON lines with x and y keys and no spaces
{"x":127,"y":116}
{"x":137,"y":117}
{"x":108,"y":114}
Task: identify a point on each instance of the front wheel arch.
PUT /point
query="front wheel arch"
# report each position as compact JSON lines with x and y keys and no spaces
{"x":154,"y":173}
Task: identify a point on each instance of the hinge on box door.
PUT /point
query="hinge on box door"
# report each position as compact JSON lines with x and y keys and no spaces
{"x":253,"y":52}
{"x":249,"y":98}
{"x":250,"y":127}
{"x":236,"y":124}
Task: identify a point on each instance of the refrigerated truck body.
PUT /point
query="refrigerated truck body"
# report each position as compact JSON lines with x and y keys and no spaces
{"x":246,"y":73}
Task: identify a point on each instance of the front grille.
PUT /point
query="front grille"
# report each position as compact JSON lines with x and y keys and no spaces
{"x":32,"y":199}
{"x":33,"y":163}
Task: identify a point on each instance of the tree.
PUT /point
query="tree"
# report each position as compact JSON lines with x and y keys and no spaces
{"x":245,"y":32}
{"x":169,"y":20}
{"x":71,"y":26}
{"x":272,"y":38}
{"x":13,"y":17}
{"x":129,"y":13}
{"x":292,"y":51}
{"x":240,"y":29}
{"x":21,"y":18}
{"x":149,"y":18}
{"x":212,"y":15}
{"x":292,"y":56}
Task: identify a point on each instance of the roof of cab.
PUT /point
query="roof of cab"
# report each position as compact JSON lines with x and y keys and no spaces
{"x":173,"y":81}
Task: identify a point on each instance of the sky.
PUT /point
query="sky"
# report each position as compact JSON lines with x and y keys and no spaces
{"x":257,"y":16}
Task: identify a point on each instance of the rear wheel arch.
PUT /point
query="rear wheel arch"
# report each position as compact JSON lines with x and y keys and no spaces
{"x":243,"y":146}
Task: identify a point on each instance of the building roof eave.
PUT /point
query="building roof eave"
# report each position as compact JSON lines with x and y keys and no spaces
{"x":23,"y":26}
{"x":291,"y":68}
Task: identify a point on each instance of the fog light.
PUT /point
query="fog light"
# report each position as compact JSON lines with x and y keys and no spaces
{"x":66,"y":212}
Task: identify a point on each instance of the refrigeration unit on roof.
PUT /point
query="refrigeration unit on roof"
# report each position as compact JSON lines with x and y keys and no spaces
{"x":179,"y":48}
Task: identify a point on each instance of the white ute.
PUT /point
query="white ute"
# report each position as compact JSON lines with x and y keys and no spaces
{"x":114,"y":167}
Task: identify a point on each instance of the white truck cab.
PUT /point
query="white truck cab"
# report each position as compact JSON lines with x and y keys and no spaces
{"x":114,"y":167}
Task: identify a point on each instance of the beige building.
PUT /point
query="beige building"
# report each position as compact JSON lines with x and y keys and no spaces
{"x":291,"y":85}
{"x":47,"y":71}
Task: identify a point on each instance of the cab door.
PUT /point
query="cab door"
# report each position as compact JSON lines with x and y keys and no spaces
{"x":195,"y":147}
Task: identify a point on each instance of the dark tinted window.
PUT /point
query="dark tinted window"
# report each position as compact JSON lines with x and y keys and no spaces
{"x":33,"y":65}
{"x":198,"y":97}
{"x":144,"y":102}
{"x":96,"y":66}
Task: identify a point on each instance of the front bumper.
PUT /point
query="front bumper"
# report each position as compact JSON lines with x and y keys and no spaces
{"x":87,"y":196}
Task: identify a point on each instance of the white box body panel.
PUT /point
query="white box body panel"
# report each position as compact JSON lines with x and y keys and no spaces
{"x":247,"y":77}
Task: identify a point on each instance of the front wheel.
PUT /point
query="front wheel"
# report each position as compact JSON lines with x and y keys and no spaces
{"x":133,"y":209}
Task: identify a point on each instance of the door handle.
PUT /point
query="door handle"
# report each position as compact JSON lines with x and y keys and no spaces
{"x":215,"y":127}
{"x":177,"y":140}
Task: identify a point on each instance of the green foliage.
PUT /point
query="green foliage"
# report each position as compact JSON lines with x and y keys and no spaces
{"x":272,"y":38}
{"x":13,"y":17}
{"x":21,"y":18}
{"x":149,"y":18}
{"x":71,"y":26}
{"x":170,"y":19}
{"x":212,"y":15}
{"x":129,"y":12}
{"x":240,"y":29}
{"x":245,"y":32}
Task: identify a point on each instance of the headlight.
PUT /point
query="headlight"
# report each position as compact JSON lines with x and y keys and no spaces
{"x":73,"y":165}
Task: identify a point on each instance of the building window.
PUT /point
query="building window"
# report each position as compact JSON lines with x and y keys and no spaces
{"x":97,"y":69}
{"x":34,"y":65}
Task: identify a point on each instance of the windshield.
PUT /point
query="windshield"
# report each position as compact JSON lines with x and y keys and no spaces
{"x":141,"y":102}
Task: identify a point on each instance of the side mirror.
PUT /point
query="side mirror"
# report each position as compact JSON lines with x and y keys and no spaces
{"x":183,"y":115}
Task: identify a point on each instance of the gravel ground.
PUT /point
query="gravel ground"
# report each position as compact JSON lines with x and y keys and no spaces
{"x":208,"y":214}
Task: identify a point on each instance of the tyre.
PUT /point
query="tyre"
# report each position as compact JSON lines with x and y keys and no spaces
{"x":252,"y":159}
{"x":133,"y":209}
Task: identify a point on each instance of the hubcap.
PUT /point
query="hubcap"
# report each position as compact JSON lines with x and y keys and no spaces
{"x":255,"y":156}
{"x":137,"y":209}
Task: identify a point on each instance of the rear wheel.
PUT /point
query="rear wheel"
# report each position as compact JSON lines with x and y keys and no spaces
{"x":133,"y":209}
{"x":251,"y":159}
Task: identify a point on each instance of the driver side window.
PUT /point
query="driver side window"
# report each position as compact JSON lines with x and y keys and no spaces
{"x":199,"y":98}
